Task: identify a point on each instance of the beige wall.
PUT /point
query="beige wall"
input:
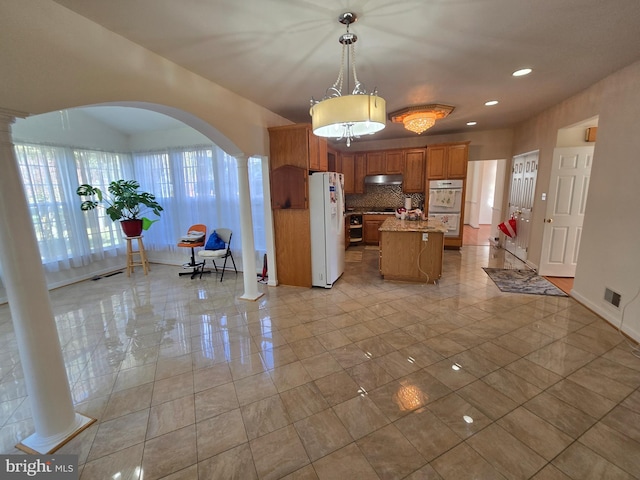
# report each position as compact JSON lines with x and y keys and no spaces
{"x":53,"y":59}
{"x":610,"y":250}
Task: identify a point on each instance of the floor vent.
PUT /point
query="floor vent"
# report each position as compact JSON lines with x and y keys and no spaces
{"x":612,"y":297}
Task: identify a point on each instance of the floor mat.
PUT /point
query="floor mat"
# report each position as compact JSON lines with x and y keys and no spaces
{"x":522,"y":281}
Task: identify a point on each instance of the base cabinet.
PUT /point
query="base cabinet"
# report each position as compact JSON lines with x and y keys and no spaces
{"x":371,"y":224}
{"x":405,"y":256}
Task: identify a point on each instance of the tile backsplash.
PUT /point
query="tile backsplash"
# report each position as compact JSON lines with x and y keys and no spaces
{"x":389,"y":196}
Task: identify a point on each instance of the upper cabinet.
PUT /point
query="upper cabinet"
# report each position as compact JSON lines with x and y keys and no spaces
{"x":413,"y":175}
{"x":318,"y":157}
{"x":448,"y":160}
{"x":348,"y":169}
{"x":360,"y":172}
{"x":394,"y":162}
{"x":410,"y":163}
{"x":375,"y":163}
{"x":387,"y":162}
{"x":296,"y":145}
{"x":354,"y":170}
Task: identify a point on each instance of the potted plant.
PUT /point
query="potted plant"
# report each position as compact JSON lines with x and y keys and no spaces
{"x":125,"y":203}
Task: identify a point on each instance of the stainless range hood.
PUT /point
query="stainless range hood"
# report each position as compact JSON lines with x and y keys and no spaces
{"x":383,"y":180}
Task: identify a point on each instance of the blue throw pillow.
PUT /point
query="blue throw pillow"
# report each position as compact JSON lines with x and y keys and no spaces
{"x":214,"y":242}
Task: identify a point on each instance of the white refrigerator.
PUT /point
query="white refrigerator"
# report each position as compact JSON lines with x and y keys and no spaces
{"x":326,"y":205}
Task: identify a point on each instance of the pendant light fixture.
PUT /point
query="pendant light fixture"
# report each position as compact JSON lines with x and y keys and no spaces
{"x":352,"y":115}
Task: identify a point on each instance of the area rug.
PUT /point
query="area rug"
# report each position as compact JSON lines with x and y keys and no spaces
{"x":522,"y":281}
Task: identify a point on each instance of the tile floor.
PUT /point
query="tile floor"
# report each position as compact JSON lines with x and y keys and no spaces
{"x":368,"y":380}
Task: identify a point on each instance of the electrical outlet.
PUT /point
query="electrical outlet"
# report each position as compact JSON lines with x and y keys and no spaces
{"x":425,"y":237}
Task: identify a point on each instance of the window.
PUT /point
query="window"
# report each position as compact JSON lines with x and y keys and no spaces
{"x":193,"y":184}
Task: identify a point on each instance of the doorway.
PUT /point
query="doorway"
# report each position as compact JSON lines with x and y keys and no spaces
{"x":483,"y":201}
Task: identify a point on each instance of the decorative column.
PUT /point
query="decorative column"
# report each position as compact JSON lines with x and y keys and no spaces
{"x":248,"y":244}
{"x":33,"y":320}
{"x":268,"y":225}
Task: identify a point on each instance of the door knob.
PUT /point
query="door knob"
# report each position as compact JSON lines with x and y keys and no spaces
{"x":548,"y":220}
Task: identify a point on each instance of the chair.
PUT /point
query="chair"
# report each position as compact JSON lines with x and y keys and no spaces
{"x":195,"y":237}
{"x":225,"y":235}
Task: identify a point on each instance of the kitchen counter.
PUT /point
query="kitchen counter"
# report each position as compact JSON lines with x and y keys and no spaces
{"x":396,"y":225}
{"x":411,"y":251}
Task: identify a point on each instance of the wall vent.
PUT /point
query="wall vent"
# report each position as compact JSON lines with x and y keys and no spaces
{"x":612,"y":297}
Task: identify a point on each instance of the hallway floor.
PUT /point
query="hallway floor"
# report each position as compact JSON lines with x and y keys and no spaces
{"x":367,"y":380}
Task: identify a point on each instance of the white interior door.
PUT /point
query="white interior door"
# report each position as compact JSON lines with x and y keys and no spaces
{"x":524,"y":173}
{"x":568,"y":189}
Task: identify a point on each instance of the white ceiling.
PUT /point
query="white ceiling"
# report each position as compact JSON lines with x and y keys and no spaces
{"x":280,"y":53}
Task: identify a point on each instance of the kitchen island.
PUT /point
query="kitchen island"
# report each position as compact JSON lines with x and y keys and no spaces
{"x":411,"y":250}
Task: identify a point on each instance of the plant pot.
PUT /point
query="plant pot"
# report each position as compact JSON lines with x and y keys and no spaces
{"x":131,"y":228}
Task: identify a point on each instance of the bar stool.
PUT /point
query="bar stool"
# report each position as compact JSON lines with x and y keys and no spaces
{"x":142,"y":260}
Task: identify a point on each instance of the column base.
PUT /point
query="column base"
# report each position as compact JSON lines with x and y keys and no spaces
{"x":37,"y":445}
{"x":250,"y":297}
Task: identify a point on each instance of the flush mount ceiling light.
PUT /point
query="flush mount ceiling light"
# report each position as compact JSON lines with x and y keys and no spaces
{"x":421,"y":118}
{"x":522,"y":72}
{"x":352,"y":115}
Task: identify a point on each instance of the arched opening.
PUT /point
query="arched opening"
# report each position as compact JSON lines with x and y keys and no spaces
{"x":196,"y":182}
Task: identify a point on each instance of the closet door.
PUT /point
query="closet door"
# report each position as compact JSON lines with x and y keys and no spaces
{"x":524,"y":171}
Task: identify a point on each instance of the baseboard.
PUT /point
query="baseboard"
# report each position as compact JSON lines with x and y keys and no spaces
{"x":608,"y":315}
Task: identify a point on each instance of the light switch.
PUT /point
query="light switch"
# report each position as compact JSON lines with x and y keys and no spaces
{"x":544,"y":196}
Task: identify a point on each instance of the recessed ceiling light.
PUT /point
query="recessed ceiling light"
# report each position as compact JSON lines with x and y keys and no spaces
{"x":491,"y":102}
{"x":471,"y":124}
{"x":522,"y":72}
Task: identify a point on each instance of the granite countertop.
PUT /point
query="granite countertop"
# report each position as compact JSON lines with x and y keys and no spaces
{"x":367,"y":211}
{"x":396,"y":225}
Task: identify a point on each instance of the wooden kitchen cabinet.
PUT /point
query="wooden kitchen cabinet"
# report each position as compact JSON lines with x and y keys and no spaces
{"x":371,"y":224}
{"x":436,"y":160}
{"x":334,"y":161}
{"x":290,"y":151}
{"x":447,"y":161}
{"x":394,"y":162}
{"x":318,"y":159}
{"x":360,"y":171}
{"x":375,"y":163}
{"x":413,"y":175}
{"x":354,"y":170}
{"x":457,"y":161}
{"x":349,"y":172}
{"x":297,"y":145}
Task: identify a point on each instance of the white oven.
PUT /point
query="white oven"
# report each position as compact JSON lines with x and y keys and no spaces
{"x":450,"y":220}
{"x":445,"y":204}
{"x":445,"y":196}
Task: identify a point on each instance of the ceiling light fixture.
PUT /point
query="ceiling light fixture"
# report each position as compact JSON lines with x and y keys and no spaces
{"x":471,"y":124}
{"x":421,"y":118}
{"x":522,"y":72}
{"x":348,"y":116}
{"x":491,"y":103}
